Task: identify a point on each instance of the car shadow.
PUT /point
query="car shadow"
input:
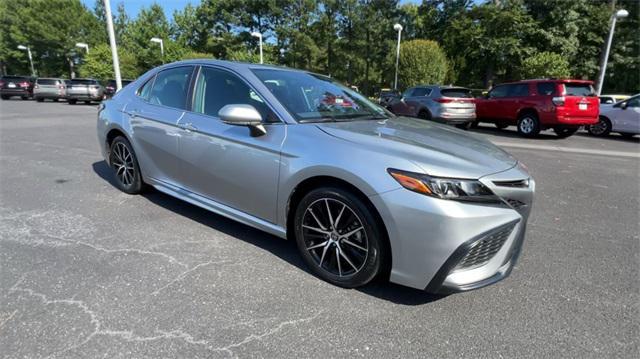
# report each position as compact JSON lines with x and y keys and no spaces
{"x":611,"y":137}
{"x":511,"y":132}
{"x":283,"y":249}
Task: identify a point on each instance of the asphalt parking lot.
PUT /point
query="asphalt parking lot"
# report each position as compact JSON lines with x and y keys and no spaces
{"x":87,"y":271}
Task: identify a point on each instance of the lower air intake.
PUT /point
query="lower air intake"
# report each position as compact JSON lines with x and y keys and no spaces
{"x":485,"y":248}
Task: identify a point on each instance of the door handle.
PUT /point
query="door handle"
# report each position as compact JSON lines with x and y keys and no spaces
{"x":132,"y":114}
{"x":188,"y":126}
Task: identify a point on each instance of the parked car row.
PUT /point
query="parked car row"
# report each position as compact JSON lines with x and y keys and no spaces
{"x":55,"y":89}
{"x":564,"y":105}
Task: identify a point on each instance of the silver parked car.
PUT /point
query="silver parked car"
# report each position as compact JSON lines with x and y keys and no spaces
{"x":49,"y":88}
{"x":361,"y":191}
{"x":622,"y":117}
{"x":446,"y":104}
{"x":87,"y":90}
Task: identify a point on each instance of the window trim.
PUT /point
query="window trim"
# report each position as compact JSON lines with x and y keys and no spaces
{"x":192,"y":93}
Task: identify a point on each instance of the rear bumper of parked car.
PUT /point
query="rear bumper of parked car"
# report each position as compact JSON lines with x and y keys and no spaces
{"x":446,"y":246}
{"x":21,"y":91}
{"x":576,"y":120}
{"x":86,"y":97}
{"x":451,"y":117}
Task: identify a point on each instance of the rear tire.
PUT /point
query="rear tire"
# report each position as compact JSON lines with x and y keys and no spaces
{"x":349,"y":255}
{"x":464,"y":126}
{"x":39,"y":99}
{"x":25,"y":98}
{"x":474,"y":124}
{"x":528,"y":124}
{"x":5,"y":97}
{"x":87,"y":102}
{"x":564,"y":132}
{"x":72,"y":102}
{"x":600,"y":129}
{"x":125,"y":166}
{"x":425,"y":115}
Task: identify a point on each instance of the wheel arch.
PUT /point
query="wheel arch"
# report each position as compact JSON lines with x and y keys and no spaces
{"x":319,"y":181}
{"x":526,"y":110}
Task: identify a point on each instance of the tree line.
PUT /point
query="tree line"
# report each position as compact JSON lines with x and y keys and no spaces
{"x":466,"y":42}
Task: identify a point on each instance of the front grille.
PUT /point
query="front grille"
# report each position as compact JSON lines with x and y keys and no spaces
{"x":485,"y":248}
{"x":515,"y":203}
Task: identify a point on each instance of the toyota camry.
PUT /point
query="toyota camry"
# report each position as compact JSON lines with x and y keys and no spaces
{"x":364,"y":193}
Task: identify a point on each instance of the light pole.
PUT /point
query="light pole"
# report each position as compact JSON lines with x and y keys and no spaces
{"x":83,"y":46}
{"x":398,"y":28}
{"x":620,"y":14}
{"x":114,"y":48}
{"x":22,"y":47}
{"x":259,"y":36}
{"x":159,"y":41}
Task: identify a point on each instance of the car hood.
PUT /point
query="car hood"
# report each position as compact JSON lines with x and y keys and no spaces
{"x":439,"y":150}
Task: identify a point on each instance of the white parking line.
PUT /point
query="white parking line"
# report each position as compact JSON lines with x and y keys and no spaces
{"x":569,"y":150}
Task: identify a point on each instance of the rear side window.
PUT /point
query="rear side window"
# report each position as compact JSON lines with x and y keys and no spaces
{"x":575,"y":89}
{"x":498,"y":91}
{"x":460,"y":93}
{"x":145,"y":90}
{"x":420,"y":91}
{"x":217,"y":88}
{"x":546,"y":88}
{"x":171,"y":86}
{"x":47,"y":82}
{"x":518,"y":90}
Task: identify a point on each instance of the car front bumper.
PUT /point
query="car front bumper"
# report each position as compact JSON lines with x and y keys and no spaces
{"x":431,"y":237}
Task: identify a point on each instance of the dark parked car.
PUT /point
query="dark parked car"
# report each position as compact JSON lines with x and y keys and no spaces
{"x":16,"y":86}
{"x":86,"y":90}
{"x":534,"y":105}
{"x":110,"y":88}
{"x":446,"y":104}
{"x":386,"y":96}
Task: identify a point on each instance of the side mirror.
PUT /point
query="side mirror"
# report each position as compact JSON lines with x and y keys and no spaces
{"x":624,"y":105}
{"x":243,"y":115}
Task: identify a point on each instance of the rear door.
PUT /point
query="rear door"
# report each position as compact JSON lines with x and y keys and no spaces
{"x":154,"y":114}
{"x":516,"y":95}
{"x":401,"y":106}
{"x":580,"y":100}
{"x":628,"y":118}
{"x":491,"y":107}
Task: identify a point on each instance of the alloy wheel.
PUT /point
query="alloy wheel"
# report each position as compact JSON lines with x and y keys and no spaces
{"x":335,"y":237}
{"x":122,"y":162}
{"x":527,"y":125}
{"x":599,"y":128}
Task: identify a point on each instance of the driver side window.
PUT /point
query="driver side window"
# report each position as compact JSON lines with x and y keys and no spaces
{"x":498,"y":92}
{"x":217,"y":88}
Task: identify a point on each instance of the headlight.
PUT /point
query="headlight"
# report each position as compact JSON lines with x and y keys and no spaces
{"x":445,"y":188}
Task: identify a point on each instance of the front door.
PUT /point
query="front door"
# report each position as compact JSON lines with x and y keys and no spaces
{"x":224,"y":162}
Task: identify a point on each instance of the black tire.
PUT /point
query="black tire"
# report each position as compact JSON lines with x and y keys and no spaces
{"x":124,"y":163}
{"x":501,"y":126}
{"x":601,"y":129}
{"x":425,"y":115}
{"x":564,"y":132}
{"x":361,"y":254}
{"x":55,"y":100}
{"x":71,"y":102}
{"x":474,"y":124}
{"x":24,"y":98}
{"x":87,"y":102}
{"x":464,"y":126}
{"x":528,"y":124}
{"x":5,"y":97}
{"x":39,"y":99}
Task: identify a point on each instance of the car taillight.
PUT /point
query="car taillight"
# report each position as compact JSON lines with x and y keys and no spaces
{"x":1,"y":83}
{"x":443,"y":100}
{"x":24,"y":84}
{"x":36,"y":86}
{"x":558,"y":100}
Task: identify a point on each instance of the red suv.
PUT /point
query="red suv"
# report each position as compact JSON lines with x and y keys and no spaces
{"x":535,"y":105}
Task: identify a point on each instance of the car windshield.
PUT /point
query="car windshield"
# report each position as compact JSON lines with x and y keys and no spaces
{"x":460,"y":93}
{"x":83,"y":82}
{"x":316,"y":98}
{"x":578,"y":89}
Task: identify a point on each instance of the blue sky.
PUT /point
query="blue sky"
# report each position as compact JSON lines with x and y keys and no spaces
{"x":134,"y":6}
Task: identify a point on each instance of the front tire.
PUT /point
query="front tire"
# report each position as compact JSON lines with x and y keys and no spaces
{"x":602,"y":128}
{"x":338,"y":237}
{"x":528,"y":125}
{"x":125,"y":166}
{"x":425,"y":115}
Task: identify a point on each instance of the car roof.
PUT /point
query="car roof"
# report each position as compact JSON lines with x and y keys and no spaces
{"x":232,"y":65}
{"x":443,"y":87}
{"x":546,"y":80}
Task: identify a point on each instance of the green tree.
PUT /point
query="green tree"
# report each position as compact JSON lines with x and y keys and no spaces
{"x":421,"y":62}
{"x":98,"y":64}
{"x":545,"y":64}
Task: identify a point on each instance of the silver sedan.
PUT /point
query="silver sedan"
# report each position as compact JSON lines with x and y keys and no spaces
{"x":362,"y":192}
